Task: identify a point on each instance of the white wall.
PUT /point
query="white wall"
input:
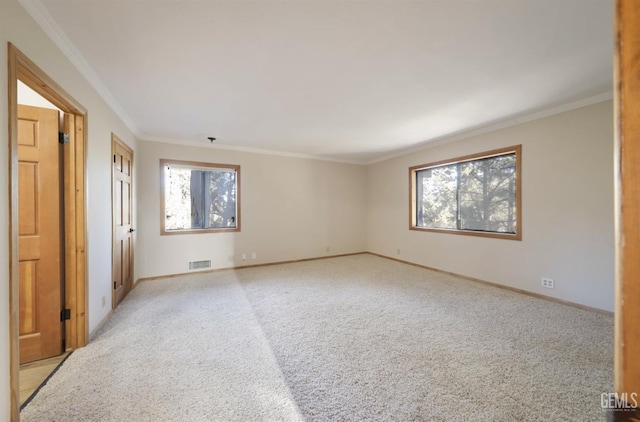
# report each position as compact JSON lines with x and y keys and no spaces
{"x":292,"y":208}
{"x":18,"y":28}
{"x":567,"y":200}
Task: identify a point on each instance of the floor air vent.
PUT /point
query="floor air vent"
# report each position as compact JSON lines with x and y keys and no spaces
{"x":198,"y":265}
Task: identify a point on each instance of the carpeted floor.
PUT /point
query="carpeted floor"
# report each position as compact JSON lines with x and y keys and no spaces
{"x":343,"y":339}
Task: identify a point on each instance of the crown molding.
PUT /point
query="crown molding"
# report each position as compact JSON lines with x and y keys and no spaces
{"x":43,"y":18}
{"x":514,"y":121}
{"x":502,"y":124}
{"x":202,"y":144}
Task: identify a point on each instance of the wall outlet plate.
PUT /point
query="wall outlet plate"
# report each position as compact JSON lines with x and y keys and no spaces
{"x":549,"y":283}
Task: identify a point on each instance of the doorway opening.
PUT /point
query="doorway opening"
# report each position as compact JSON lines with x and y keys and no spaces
{"x":72,"y":218}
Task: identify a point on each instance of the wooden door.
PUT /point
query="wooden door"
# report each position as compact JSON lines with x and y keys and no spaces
{"x":39,"y":234}
{"x":122,"y":220}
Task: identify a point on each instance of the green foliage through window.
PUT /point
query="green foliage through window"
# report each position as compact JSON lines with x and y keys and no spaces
{"x":478,"y":195}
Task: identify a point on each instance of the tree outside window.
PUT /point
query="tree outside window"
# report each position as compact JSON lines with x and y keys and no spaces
{"x":199,"y":197}
{"x":478,"y":195}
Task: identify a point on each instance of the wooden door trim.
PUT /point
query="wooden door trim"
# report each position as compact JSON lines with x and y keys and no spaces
{"x":627,"y":207}
{"x":20,"y":67}
{"x":117,"y":142}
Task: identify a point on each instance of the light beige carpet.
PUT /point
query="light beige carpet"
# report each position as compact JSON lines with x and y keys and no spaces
{"x":351,"y":339}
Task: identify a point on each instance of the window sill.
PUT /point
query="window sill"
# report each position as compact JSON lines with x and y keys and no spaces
{"x":507,"y":236}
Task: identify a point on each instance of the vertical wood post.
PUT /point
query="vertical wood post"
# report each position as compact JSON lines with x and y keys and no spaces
{"x":627,"y":183}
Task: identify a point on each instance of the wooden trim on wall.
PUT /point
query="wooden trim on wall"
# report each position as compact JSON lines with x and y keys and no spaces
{"x":75,"y":232}
{"x":235,"y":167}
{"x":14,"y":280}
{"x":242,"y":267}
{"x":29,"y":73}
{"x":476,"y":280}
{"x":498,"y":285}
{"x":627,"y":191}
{"x":68,"y":157}
{"x":20,"y":67}
{"x":517,"y":149}
{"x":81,"y":233}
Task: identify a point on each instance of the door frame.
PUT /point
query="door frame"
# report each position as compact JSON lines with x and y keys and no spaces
{"x":627,"y":206}
{"x":74,"y":192}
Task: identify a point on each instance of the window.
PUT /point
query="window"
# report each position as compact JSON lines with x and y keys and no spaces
{"x":478,"y":195}
{"x":199,"y":197}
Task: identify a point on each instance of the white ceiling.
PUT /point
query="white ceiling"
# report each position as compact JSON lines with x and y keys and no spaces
{"x":345,"y":79}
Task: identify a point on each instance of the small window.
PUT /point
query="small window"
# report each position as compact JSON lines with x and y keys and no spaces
{"x":478,"y":195}
{"x":199,"y":197}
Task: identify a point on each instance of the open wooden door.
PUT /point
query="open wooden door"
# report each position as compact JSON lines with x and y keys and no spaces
{"x":76,"y":332}
{"x":627,"y":180}
{"x":40,"y":234}
{"x":122,"y":220}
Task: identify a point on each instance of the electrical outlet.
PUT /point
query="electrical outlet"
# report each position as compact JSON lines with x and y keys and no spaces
{"x":253,"y":255}
{"x":549,"y":283}
{"x":244,"y":256}
{"x":398,"y":251}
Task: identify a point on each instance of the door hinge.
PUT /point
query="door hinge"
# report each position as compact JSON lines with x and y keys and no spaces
{"x":114,"y":285}
{"x":63,"y":138}
{"x":114,"y":158}
{"x":65,"y":314}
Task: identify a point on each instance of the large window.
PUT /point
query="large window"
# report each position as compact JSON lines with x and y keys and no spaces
{"x":476,"y":195}
{"x":199,"y":197}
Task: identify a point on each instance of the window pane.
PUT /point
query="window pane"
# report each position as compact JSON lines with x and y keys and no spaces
{"x":436,"y":199}
{"x":487,"y":194}
{"x":474,"y":195}
{"x":196,"y":192}
{"x":222,"y":199}
{"x":199,"y":199}
{"x":177,"y":198}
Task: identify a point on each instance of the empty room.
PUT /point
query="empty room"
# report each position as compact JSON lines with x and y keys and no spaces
{"x":319,"y":210}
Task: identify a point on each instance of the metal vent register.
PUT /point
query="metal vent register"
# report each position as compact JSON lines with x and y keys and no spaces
{"x":198,"y":265}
